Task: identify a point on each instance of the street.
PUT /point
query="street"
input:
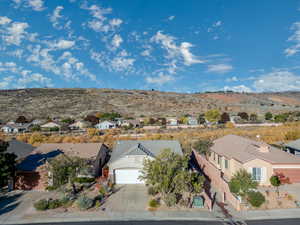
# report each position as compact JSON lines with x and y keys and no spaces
{"x":256,"y":222}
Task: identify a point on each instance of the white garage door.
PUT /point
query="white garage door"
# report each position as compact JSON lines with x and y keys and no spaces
{"x":128,"y":176}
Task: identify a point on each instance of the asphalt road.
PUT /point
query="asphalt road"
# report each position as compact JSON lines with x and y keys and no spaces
{"x":257,"y":222}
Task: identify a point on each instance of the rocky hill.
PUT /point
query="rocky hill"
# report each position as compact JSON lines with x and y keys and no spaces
{"x":41,"y":103}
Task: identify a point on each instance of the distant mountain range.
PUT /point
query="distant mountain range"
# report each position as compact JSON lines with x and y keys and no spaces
{"x":48,"y":102}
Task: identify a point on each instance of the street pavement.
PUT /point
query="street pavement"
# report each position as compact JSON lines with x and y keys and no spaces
{"x":171,"y":222}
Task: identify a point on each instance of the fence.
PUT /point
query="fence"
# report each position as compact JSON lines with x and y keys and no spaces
{"x":215,"y":176}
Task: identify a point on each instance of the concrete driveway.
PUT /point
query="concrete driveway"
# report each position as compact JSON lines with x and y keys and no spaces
{"x":129,"y":197}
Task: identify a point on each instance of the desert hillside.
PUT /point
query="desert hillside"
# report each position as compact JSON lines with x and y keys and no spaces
{"x":40,"y":103}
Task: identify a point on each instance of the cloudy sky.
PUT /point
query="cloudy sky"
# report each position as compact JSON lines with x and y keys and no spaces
{"x":183,"y":46}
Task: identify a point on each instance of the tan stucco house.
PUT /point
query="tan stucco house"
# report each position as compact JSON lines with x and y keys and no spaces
{"x":231,"y":153}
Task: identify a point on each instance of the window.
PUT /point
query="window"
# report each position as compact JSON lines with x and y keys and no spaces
{"x":226,"y":164}
{"x":219,"y":159}
{"x":256,"y":174}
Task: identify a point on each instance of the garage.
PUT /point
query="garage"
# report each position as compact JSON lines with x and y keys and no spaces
{"x":127,"y":176}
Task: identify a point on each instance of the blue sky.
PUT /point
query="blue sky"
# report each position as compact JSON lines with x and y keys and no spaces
{"x":183,"y":46}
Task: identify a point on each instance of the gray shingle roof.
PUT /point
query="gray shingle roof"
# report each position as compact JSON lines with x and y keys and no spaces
{"x":294,"y":144}
{"x":139,"y":147}
{"x":19,"y":148}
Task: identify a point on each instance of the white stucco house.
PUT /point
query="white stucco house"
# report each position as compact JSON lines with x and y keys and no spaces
{"x":172,"y":121}
{"x":50,"y":125}
{"x":127,"y":158}
{"x":15,"y":128}
{"x":192,"y":121}
{"x":105,"y":125}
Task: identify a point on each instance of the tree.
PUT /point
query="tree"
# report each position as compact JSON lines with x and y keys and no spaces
{"x":275,"y":181}
{"x":183,"y":120}
{"x":253,"y":117}
{"x":241,"y":183}
{"x":67,"y":121}
{"x":7,"y":162}
{"x":201,"y":119}
{"x":268,"y":116}
{"x":281,"y":118}
{"x":203,"y":146}
{"x":21,"y":119}
{"x":92,"y":119}
{"x":224,"y":118}
{"x":243,"y":115}
{"x":212,"y":115}
{"x":168,"y":174}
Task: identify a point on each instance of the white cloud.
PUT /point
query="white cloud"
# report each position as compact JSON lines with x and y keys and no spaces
{"x":175,"y":52}
{"x":116,"y":41}
{"x":61,"y":44}
{"x":115,"y":22}
{"x":232,"y":79}
{"x":5,"y":82}
{"x":37,"y":5}
{"x":277,"y":81}
{"x":159,"y":80}
{"x":218,"y":23}
{"x":238,"y":88}
{"x":294,"y":38}
{"x":219,"y":68}
{"x":171,"y":18}
{"x":4,"y":20}
{"x":56,"y":16}
{"x":14,"y":33}
{"x":188,"y":57}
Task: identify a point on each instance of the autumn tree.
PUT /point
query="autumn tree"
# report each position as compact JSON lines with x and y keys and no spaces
{"x":213,"y":115}
{"x":253,"y":117}
{"x":243,"y":115}
{"x":224,"y":118}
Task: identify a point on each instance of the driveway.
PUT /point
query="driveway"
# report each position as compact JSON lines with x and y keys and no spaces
{"x":129,"y":197}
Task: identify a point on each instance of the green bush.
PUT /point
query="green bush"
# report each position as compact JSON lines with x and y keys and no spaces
{"x":84,"y":180}
{"x":53,"y":204}
{"x":153,"y":203}
{"x":84,"y":202}
{"x":41,"y":205}
{"x":255,"y":198}
{"x":170,"y":199}
{"x":67,"y":200}
{"x":51,"y":188}
{"x":152,"y":191}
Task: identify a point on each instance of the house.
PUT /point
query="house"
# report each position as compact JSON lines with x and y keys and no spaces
{"x":50,"y":125}
{"x":15,"y":128}
{"x":293,"y":147}
{"x":38,"y":122}
{"x":192,"y":121}
{"x":105,"y":125}
{"x":20,"y":149}
{"x":133,"y":123}
{"x":172,"y":121}
{"x":81,"y":124}
{"x":32,"y":172}
{"x":232,"y":153}
{"x":128,"y":156}
{"x":235,"y":119}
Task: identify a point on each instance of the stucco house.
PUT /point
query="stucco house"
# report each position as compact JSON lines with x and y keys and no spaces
{"x":50,"y":125}
{"x":172,"y":121}
{"x":81,"y":124}
{"x":293,"y":147}
{"x":15,"y":128}
{"x":232,"y":153}
{"x":32,"y":172}
{"x":106,"y":125}
{"x":192,"y":121}
{"x":133,"y":123}
{"x":127,"y":158}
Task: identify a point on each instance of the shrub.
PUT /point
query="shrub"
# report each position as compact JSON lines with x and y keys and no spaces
{"x":152,"y":191}
{"x":41,"y":205}
{"x":67,"y":200}
{"x":84,"y":180}
{"x":170,"y":199}
{"x":51,"y":188}
{"x":153,"y":203}
{"x":255,"y":198}
{"x":102,"y":191}
{"x":53,"y":204}
{"x":84,"y":202}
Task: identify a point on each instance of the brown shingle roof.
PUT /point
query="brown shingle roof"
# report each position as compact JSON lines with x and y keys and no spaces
{"x":244,"y":150}
{"x":82,"y":150}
